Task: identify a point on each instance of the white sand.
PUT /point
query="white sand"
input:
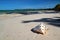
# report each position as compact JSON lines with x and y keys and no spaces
{"x":12,"y":28}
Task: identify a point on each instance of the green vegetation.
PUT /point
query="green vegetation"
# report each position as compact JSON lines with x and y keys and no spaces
{"x":57,"y":7}
{"x":23,"y":10}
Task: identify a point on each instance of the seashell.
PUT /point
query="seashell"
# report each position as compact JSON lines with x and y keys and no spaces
{"x":40,"y":29}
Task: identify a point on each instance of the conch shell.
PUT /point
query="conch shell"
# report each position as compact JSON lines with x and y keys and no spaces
{"x":40,"y":29}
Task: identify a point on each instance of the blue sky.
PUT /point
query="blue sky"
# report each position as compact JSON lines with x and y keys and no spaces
{"x":23,"y":4}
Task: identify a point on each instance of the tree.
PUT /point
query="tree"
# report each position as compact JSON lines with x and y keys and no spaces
{"x":57,"y":7}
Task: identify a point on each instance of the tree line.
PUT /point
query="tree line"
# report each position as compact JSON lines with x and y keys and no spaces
{"x":56,"y":8}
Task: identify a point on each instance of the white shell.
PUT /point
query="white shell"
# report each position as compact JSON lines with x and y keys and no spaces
{"x":40,"y":27}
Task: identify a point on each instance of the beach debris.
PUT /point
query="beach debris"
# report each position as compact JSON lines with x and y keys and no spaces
{"x":40,"y":29}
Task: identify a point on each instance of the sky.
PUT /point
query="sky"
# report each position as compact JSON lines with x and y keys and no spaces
{"x":27,"y":4}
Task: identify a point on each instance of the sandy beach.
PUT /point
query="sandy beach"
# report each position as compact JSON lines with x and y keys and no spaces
{"x":18,"y":26}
